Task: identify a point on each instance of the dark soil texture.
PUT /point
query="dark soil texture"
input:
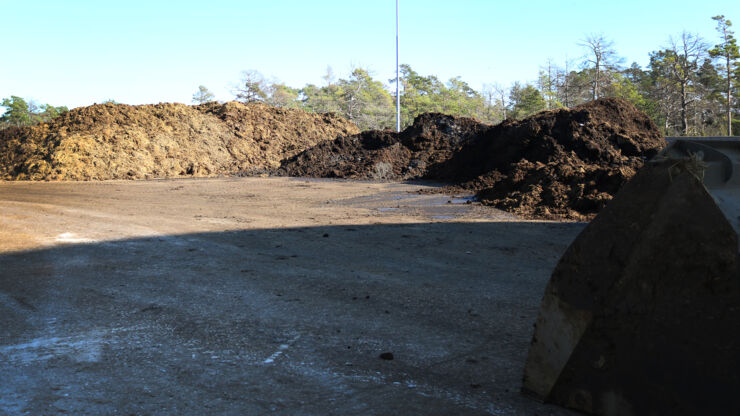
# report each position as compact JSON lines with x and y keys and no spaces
{"x":557,"y":164}
{"x":432,"y":140}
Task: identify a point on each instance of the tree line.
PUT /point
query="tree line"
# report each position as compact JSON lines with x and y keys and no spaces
{"x":690,"y":87}
{"x":19,"y":112}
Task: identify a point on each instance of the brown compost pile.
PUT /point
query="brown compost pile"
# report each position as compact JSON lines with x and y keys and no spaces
{"x":118,"y":141}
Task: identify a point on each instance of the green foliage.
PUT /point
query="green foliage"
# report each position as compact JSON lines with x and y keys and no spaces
{"x":727,"y":55}
{"x":573,"y":87}
{"x":49,"y":112}
{"x":359,"y":98}
{"x":251,"y":88}
{"x":364,"y":101}
{"x":676,"y":71}
{"x":547,"y":82}
{"x":728,"y":47}
{"x":321,"y":99}
{"x":425,"y":94}
{"x":203,"y":95}
{"x":369,"y":104}
{"x":419,"y":94}
{"x":458,"y":98}
{"x":525,"y":100}
{"x":18,"y":112}
{"x":623,"y":87}
{"x":680,"y":89}
{"x":281,"y":95}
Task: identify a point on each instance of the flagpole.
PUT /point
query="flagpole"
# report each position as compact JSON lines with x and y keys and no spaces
{"x":398,"y":95}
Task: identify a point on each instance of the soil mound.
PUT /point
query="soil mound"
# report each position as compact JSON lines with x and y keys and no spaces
{"x":118,"y":141}
{"x":432,"y":139}
{"x":565,"y":163}
{"x":277,"y":133}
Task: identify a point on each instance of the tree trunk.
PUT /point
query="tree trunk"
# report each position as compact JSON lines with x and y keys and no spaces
{"x":566,"y":82}
{"x":684,"y":104}
{"x":595,"y":94}
{"x":503,"y":104}
{"x":729,"y":97}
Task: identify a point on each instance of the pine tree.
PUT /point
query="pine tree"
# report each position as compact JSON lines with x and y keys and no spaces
{"x":203,"y":95}
{"x":728,"y":54}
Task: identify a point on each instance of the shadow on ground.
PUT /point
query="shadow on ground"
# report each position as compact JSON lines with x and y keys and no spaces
{"x":285,"y":321}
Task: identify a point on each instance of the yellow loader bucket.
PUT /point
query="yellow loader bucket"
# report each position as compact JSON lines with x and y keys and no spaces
{"x":642,"y":313}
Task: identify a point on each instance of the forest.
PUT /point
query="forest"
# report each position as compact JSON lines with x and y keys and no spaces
{"x":689,"y":88}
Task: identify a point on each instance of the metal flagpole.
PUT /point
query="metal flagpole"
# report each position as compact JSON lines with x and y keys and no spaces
{"x":398,"y":95}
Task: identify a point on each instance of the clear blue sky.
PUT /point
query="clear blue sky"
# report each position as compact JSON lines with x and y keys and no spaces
{"x":78,"y":52}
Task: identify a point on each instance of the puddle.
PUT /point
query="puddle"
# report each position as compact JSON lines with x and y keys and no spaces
{"x":401,"y":197}
{"x":463,"y":200}
{"x":457,"y":207}
{"x":442,"y":200}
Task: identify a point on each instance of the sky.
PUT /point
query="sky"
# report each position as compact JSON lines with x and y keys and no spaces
{"x":79,"y":52}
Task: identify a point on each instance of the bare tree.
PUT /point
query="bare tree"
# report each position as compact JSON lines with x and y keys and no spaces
{"x":281,"y":95}
{"x":563,"y":83}
{"x":666,"y":97}
{"x":489,"y":98}
{"x":683,"y":59}
{"x":573,"y":87}
{"x":329,"y":76}
{"x":602,"y":57}
{"x":501,"y":93}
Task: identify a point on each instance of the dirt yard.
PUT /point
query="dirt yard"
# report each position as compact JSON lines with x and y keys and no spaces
{"x":266,"y":295}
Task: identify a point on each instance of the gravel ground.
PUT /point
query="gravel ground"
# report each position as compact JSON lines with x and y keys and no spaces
{"x":266,"y":295}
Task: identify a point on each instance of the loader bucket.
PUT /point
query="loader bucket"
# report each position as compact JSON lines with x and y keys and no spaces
{"x":642,"y":313}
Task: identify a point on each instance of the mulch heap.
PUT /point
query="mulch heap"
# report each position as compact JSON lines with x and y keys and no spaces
{"x":557,"y":164}
{"x":118,"y":141}
{"x":377,"y":154}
